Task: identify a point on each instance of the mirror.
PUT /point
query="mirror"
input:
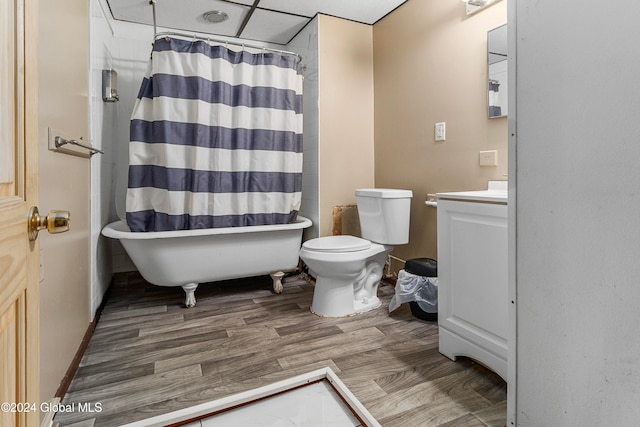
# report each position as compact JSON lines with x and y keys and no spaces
{"x":497,"y":61}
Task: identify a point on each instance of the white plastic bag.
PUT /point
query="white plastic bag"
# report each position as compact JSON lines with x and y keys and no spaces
{"x":422,"y":290}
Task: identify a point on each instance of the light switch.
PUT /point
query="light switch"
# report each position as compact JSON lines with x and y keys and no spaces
{"x":441,"y":129}
{"x":489,"y":158}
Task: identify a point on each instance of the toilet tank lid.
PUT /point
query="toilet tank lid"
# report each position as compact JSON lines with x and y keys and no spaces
{"x":384,"y":193}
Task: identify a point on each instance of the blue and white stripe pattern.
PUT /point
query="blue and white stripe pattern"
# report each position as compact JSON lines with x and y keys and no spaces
{"x":216,"y":139}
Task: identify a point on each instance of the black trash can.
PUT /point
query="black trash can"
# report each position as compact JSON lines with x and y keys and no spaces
{"x":425,"y":267}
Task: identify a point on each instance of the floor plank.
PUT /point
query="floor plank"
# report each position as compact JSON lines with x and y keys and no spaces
{"x":149,"y":355}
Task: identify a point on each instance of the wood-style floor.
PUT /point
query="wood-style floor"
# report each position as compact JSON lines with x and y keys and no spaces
{"x":149,"y":355}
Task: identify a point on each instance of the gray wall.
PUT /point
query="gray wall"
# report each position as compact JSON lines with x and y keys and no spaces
{"x":577,"y":150}
{"x":306,"y":44}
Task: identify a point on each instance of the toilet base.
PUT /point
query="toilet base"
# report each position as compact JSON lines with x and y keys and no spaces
{"x":364,"y":306}
{"x":335,"y":298}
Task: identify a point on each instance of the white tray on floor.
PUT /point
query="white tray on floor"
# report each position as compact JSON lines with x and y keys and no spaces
{"x":203,"y":413}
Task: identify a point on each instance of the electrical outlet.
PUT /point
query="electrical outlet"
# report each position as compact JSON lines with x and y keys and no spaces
{"x":440,"y":132}
{"x":489,"y":158}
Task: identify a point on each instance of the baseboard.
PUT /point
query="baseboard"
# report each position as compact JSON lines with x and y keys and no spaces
{"x":75,"y":363}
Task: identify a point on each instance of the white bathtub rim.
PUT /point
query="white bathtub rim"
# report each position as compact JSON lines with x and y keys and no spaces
{"x":120,"y":230}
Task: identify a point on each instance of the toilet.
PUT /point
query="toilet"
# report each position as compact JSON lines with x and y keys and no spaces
{"x":348,"y":269}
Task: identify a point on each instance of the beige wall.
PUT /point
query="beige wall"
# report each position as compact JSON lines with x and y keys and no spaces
{"x":430,"y":66}
{"x":64,"y":184}
{"x":346,"y":113}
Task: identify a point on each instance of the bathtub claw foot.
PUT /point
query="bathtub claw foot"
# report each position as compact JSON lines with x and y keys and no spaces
{"x":189,"y":290}
{"x":277,"y":281}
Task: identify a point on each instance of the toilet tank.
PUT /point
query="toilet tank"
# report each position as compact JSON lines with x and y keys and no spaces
{"x":384,"y":215}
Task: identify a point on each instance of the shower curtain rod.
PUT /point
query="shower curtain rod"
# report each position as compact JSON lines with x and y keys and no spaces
{"x":157,"y":35}
{"x":212,"y":39}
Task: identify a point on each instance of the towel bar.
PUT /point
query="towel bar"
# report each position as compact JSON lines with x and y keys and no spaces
{"x":59,"y":142}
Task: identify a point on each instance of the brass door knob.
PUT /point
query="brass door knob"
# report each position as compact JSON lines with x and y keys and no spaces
{"x":54,"y":222}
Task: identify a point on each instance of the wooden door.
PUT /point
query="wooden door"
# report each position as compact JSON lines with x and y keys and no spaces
{"x":19,"y":271}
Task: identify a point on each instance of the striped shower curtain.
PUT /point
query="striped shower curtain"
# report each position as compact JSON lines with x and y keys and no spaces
{"x":216,"y":139}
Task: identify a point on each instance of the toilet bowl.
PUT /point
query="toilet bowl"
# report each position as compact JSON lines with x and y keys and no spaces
{"x":348,"y":269}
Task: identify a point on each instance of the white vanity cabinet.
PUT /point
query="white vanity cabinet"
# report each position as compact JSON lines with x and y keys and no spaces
{"x":473,"y":277}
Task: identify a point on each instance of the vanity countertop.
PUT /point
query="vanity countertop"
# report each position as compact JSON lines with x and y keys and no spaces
{"x":496,"y":192}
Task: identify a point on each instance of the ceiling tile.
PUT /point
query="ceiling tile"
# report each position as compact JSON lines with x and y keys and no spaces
{"x":245,"y":2}
{"x":365,"y":11}
{"x":264,"y":25}
{"x":273,"y":27}
{"x":304,"y":7}
{"x":173,"y":14}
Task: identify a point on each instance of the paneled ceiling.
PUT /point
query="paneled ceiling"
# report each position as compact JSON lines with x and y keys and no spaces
{"x":274,"y":21}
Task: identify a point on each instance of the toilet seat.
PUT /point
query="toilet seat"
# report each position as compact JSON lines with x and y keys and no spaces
{"x":337,"y":244}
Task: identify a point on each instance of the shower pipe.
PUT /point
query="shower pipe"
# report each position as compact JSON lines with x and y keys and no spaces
{"x":210,"y":39}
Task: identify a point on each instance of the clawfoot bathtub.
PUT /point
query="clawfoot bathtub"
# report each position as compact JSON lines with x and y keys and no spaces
{"x":188,"y":257}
